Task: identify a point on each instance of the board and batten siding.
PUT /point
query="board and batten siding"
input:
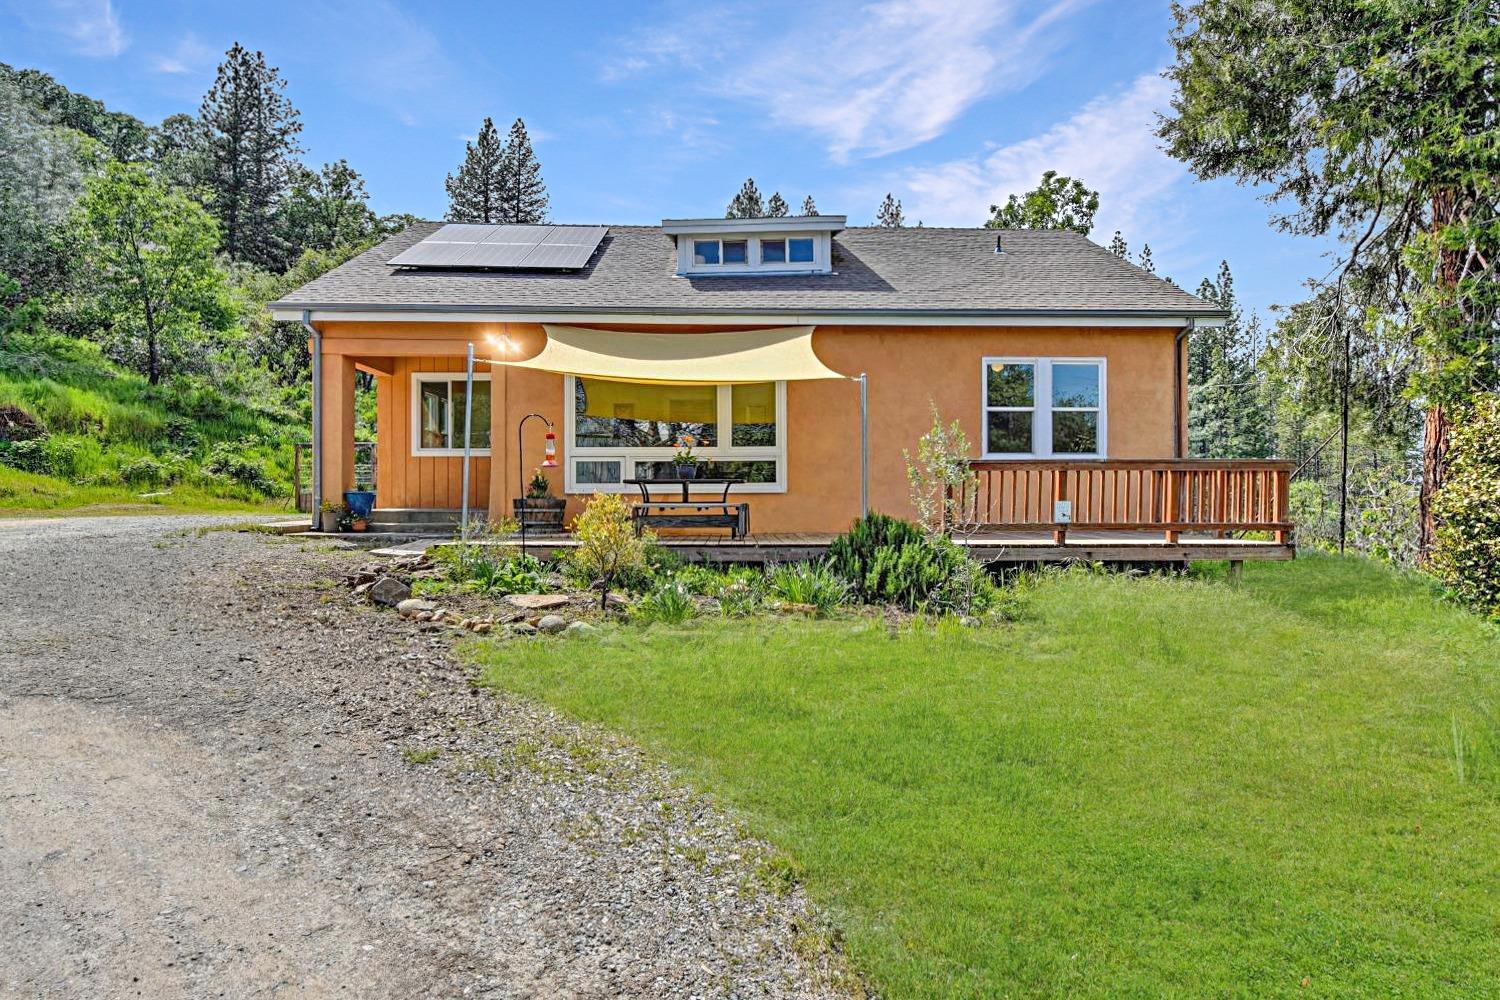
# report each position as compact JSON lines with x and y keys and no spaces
{"x":407,"y":480}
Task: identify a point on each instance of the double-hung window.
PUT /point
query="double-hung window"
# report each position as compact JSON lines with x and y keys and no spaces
{"x":627,"y":430}
{"x":1044,"y":408}
{"x":438,"y":414}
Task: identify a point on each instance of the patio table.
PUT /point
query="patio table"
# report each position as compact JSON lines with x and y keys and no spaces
{"x":688,"y":513}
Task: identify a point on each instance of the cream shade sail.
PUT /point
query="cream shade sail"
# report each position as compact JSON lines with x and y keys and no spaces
{"x":783,"y":353}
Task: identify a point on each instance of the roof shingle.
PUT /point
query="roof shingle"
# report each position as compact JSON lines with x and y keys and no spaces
{"x":876,"y":270}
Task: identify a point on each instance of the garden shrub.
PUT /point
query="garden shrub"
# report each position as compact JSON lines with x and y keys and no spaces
{"x":607,"y":543}
{"x":229,"y":461}
{"x":889,"y":561}
{"x":1466,"y":550}
{"x":145,"y":471}
{"x":28,"y":456}
{"x":813,"y":585}
{"x":670,"y":603}
{"x":740,"y":592}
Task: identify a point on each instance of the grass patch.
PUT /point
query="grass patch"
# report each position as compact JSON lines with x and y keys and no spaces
{"x":424,"y":755}
{"x":1146,"y":787}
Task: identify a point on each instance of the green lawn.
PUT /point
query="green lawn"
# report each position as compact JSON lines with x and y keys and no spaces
{"x":1148,"y":787}
{"x":28,"y":493}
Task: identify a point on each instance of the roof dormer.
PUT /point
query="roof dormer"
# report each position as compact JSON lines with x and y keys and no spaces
{"x":793,"y":244}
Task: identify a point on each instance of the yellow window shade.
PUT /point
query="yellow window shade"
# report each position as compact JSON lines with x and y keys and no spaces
{"x":682,"y":404}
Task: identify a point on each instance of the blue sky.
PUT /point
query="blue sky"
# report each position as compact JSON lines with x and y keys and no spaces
{"x":643,"y":112}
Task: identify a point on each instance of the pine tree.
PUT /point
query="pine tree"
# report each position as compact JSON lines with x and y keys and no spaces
{"x":890,"y":213}
{"x":777,"y":207}
{"x":747,"y":204}
{"x":808,"y":208}
{"x":523,"y":196}
{"x":1144,"y":261}
{"x":1226,"y":415}
{"x":1117,"y":246}
{"x":250,"y":132}
{"x":475,"y":193}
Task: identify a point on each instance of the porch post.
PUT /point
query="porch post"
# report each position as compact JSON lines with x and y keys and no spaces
{"x":335,"y":442}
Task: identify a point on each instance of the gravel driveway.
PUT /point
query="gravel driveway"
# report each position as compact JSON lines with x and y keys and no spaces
{"x":219,"y":776}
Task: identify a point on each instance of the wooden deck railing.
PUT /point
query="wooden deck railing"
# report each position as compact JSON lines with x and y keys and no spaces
{"x":1170,"y":496}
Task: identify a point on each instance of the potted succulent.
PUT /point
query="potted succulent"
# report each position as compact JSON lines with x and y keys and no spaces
{"x":685,"y":463}
{"x":330,"y":515}
{"x":358,"y":523}
{"x":539,"y":510}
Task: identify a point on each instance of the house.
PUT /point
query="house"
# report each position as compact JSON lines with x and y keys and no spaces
{"x":1064,"y":363}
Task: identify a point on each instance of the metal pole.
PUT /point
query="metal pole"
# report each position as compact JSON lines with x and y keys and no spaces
{"x":468,"y":419}
{"x":864,"y":444}
{"x":520,"y":478}
{"x":1344,"y":447}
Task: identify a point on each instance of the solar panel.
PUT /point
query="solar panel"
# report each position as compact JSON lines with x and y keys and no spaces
{"x":511,"y":245}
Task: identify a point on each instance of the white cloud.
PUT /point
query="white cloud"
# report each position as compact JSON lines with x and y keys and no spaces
{"x":91,"y":27}
{"x":884,"y":78}
{"x":1109,"y":144}
{"x":189,"y":57}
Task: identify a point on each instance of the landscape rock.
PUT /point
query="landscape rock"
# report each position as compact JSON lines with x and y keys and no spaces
{"x":538,"y":602}
{"x":389,"y":591}
{"x":360,"y":590}
{"x":552,"y":624}
{"x":579,"y":628}
{"x":521,"y":628}
{"x":412,"y":606}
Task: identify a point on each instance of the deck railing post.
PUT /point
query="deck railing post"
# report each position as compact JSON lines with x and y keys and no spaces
{"x":1059,"y":492}
{"x":1170,"y":513}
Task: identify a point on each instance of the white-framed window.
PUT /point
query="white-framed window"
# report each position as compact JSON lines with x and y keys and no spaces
{"x":780,"y":254}
{"x":1044,"y":407}
{"x":614,"y":431}
{"x":437,"y":414}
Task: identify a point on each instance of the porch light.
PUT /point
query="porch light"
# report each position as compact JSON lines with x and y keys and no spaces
{"x":550,"y":459}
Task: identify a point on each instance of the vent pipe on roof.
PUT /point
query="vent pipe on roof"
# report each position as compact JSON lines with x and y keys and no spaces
{"x":998,"y":247}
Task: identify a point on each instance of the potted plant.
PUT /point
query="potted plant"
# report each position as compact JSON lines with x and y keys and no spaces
{"x":361,"y":503}
{"x":539,"y":510}
{"x":358,"y":523}
{"x":685,"y":463}
{"x":329,"y":515}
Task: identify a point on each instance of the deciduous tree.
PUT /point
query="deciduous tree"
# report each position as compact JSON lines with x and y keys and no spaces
{"x":152,"y":249}
{"x":1057,"y":202}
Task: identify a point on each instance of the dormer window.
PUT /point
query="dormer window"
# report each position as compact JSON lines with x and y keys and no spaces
{"x":796,"y":251}
{"x":791,"y":245}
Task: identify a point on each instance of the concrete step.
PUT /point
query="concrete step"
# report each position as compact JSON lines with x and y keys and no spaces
{"x":414,"y":515}
{"x":444,"y":528}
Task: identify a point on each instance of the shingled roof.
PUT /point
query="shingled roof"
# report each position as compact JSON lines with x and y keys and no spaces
{"x":914,"y":270}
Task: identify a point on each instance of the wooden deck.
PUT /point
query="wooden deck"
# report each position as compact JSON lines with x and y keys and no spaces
{"x":1017,"y":547}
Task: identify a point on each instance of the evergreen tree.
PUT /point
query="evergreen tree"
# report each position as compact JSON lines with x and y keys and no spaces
{"x":1226,"y":415}
{"x":777,"y":207}
{"x":890,"y":213}
{"x":250,"y":134}
{"x":808,"y":208}
{"x":1144,"y":261}
{"x":1056,"y":203}
{"x":475,"y":192}
{"x":747,"y":204}
{"x":1117,"y":246}
{"x":523,"y":196}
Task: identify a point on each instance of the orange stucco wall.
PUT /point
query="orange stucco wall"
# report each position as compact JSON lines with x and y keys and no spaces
{"x":910,"y":369}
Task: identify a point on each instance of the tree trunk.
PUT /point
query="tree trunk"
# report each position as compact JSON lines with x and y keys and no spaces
{"x":1434,"y":472}
{"x":1435,"y":426}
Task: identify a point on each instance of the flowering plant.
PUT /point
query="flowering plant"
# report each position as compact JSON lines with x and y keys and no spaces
{"x":685,"y":454}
